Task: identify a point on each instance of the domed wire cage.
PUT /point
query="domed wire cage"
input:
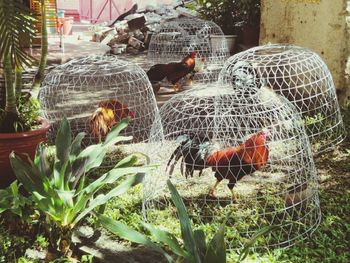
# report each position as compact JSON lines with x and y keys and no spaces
{"x":178,"y":37}
{"x":303,"y":78}
{"x":95,"y":93}
{"x":273,"y":174}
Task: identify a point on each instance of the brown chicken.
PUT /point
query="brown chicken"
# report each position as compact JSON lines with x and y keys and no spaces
{"x":106,"y":116}
{"x":233,"y":163}
{"x":173,"y":72}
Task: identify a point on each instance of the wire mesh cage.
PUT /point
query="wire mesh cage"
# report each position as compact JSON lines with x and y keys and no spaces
{"x":303,"y":78}
{"x":95,"y":93}
{"x":178,"y":37}
{"x":236,"y":155}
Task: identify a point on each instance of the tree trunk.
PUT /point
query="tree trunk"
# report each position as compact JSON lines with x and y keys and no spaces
{"x":39,"y":76}
{"x":10,"y":118}
{"x":18,"y":80}
{"x":10,"y":105}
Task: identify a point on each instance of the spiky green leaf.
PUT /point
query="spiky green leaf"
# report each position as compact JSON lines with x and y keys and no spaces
{"x":168,"y":239}
{"x":127,"y":233}
{"x":216,"y":251}
{"x":185,"y":223}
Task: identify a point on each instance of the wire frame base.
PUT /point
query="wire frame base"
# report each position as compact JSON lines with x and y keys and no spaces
{"x":303,"y":78}
{"x":199,"y":123}
{"x":83,"y":88}
{"x":178,"y":37}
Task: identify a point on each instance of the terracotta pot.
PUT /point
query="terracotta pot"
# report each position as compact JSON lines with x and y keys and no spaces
{"x":21,"y":142}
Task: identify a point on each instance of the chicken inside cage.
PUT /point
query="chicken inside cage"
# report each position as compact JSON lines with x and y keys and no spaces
{"x":233,"y":154}
{"x":108,"y":114}
{"x":231,"y":163}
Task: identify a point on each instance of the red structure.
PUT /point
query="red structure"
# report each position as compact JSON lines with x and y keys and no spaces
{"x":103,"y":10}
{"x":98,"y":11}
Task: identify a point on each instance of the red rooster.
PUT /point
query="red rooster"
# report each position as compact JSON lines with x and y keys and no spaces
{"x":106,"y":116}
{"x":174,"y":72}
{"x":230,"y":163}
{"x":233,"y":163}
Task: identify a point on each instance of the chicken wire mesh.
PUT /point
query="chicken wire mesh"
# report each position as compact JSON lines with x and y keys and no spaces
{"x":178,"y":37}
{"x":303,"y":78}
{"x":215,"y":147}
{"x":95,"y":93}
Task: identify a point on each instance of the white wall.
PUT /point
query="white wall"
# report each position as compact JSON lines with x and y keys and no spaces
{"x":68,"y":4}
{"x":317,"y":24}
{"x":143,"y":3}
{"x":74,"y":4}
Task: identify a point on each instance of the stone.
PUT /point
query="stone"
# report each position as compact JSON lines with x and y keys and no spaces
{"x":132,"y":50}
{"x":139,"y":35}
{"x":136,"y":23}
{"x":135,"y":43}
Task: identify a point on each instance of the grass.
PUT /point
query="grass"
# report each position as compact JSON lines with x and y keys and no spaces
{"x":329,"y":243}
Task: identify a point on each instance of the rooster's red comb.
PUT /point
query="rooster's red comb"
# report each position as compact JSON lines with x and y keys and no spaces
{"x":193,"y":54}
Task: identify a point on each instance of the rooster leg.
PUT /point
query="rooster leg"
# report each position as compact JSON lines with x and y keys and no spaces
{"x":177,"y":87}
{"x":212,"y":189}
{"x":200,"y":173}
{"x":183,"y":170}
{"x":190,"y":80}
{"x":99,"y":138}
{"x":231,"y":185}
{"x":234,"y":195}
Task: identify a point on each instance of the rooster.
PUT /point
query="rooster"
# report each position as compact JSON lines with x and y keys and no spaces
{"x":231,"y":163}
{"x":199,"y":68}
{"x":173,"y":72}
{"x":106,"y":116}
{"x":192,"y":151}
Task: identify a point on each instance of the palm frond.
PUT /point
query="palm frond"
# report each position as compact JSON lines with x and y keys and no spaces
{"x":16,"y":21}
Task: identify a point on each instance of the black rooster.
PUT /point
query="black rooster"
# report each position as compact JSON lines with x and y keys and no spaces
{"x":192,"y":151}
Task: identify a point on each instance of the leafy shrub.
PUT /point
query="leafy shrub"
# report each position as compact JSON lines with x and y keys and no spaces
{"x":193,"y":247}
{"x":62,"y":192}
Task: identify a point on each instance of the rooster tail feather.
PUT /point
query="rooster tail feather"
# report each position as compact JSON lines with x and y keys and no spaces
{"x":174,"y":158}
{"x":97,"y":124}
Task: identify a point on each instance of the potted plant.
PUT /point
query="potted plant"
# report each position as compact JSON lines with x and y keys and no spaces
{"x":221,"y":13}
{"x":21,"y":129}
{"x":240,"y":18}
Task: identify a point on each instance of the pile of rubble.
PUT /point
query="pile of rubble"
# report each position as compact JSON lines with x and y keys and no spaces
{"x":132,"y":32}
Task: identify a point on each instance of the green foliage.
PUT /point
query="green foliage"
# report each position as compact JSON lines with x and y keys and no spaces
{"x":18,"y":24}
{"x":28,"y":114}
{"x":41,"y":242}
{"x":11,"y":244}
{"x":11,"y":200}
{"x":193,"y":246}
{"x":228,"y":13}
{"x":311,"y":120}
{"x":16,"y":21}
{"x":62,"y":193}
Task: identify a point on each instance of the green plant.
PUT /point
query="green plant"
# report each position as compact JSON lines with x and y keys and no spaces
{"x":228,"y":13}
{"x":18,"y":22}
{"x":221,"y":12}
{"x":41,"y":242}
{"x":248,"y":11}
{"x":11,"y":244}
{"x":12,"y":200}
{"x":195,"y":247}
{"x":62,"y":192}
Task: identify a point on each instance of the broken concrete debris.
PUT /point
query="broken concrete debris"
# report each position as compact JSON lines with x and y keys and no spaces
{"x":133,"y":33}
